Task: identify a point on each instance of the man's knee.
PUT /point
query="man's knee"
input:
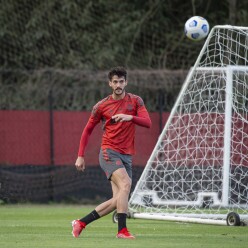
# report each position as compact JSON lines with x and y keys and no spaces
{"x":126,"y":185}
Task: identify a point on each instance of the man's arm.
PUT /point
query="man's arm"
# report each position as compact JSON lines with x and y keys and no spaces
{"x":85,"y":137}
{"x":142,"y":119}
{"x":80,"y":163}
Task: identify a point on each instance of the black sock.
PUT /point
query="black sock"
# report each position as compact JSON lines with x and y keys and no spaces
{"x":121,"y":221}
{"x":90,"y":217}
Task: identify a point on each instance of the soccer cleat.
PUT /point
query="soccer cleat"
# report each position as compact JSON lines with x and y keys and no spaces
{"x":124,"y":234}
{"x":77,"y":227}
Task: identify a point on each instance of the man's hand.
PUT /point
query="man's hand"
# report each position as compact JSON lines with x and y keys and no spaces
{"x":80,"y":164}
{"x":122,"y":117}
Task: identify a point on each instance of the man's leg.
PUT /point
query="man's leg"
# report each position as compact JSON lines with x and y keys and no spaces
{"x":110,"y":205}
{"x":101,"y":210}
{"x":123,"y":182}
{"x":121,"y":185}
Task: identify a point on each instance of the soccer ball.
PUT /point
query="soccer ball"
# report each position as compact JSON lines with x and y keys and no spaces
{"x":196,"y":28}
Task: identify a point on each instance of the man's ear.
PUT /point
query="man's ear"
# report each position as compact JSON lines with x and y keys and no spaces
{"x":109,"y":83}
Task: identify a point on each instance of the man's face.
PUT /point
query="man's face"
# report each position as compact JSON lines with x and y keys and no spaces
{"x":118,"y":85}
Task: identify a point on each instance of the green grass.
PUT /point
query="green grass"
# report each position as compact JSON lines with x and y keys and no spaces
{"x":49,"y":226}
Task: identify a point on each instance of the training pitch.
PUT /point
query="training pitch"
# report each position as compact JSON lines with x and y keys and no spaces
{"x":49,"y":226}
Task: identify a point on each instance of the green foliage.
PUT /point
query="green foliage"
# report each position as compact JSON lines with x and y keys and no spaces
{"x":99,"y":34}
{"x":92,"y":36}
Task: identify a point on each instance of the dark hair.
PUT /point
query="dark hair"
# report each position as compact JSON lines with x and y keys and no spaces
{"x":118,"y":71}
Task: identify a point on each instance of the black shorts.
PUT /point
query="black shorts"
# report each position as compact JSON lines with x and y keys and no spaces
{"x":111,"y":161}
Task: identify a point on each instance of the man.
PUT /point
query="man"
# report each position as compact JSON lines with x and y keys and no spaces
{"x":119,"y":113}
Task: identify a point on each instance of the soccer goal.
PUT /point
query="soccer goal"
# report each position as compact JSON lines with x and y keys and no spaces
{"x":198,"y":170}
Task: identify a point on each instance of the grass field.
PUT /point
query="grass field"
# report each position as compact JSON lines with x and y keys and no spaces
{"x":49,"y":226}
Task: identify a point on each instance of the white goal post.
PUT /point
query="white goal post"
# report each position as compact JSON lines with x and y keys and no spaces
{"x":198,"y":170}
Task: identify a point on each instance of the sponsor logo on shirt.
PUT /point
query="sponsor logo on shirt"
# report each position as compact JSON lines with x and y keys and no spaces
{"x":129,"y":107}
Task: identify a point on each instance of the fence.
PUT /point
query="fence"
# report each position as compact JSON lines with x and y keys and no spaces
{"x":41,"y":119}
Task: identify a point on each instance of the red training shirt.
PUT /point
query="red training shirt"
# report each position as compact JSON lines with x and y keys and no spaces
{"x":117,"y":136}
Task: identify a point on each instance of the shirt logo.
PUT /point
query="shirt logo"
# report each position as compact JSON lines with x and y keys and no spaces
{"x":129,"y":107}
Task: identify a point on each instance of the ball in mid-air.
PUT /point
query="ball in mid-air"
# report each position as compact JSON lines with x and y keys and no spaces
{"x":196,"y":28}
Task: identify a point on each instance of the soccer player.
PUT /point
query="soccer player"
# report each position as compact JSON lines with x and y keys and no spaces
{"x":119,"y":113}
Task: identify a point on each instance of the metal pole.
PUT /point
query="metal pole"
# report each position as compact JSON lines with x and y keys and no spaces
{"x":161,"y":107}
{"x":50,"y":99}
{"x":227,"y":138}
{"x":51,"y":128}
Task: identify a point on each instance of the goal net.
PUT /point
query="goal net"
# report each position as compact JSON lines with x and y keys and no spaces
{"x":198,"y":170}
